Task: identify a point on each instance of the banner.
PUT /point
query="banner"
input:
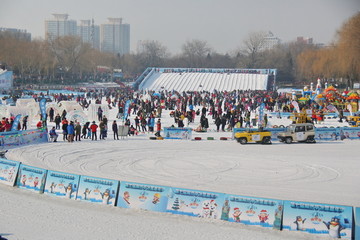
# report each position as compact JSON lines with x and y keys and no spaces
{"x":327,"y":134}
{"x":14,"y":127}
{"x":261,"y":114}
{"x":126,"y":109}
{"x":296,"y":106}
{"x":177,"y":133}
{"x":97,"y":190}
{"x":195,"y":203}
{"x":8,"y":171}
{"x":62,"y":184}
{"x":13,"y":139}
{"x":253,"y":211}
{"x":317,"y":218}
{"x":42,"y":104}
{"x":144,"y":196}
{"x":349,"y":133}
{"x":31,"y":178}
{"x":357,"y":223}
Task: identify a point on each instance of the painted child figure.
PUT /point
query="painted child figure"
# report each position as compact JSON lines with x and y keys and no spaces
{"x":237,"y":214}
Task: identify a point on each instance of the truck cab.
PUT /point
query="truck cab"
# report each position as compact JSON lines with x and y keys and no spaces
{"x":298,"y":132}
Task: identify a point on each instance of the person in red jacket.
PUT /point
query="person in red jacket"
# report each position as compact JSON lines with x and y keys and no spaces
{"x":93,"y":128}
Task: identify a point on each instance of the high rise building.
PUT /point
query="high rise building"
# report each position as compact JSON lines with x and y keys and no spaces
{"x":89,"y":33}
{"x":115,"y":37}
{"x":60,"y":26}
{"x":20,"y":34}
{"x":304,"y":40}
{"x":270,"y":41}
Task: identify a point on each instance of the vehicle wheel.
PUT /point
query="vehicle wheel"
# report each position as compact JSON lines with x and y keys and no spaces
{"x":310,"y":140}
{"x":266,"y":140}
{"x":288,"y":140}
{"x":242,"y":140}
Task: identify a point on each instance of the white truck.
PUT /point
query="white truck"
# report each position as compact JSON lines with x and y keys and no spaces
{"x":298,"y":132}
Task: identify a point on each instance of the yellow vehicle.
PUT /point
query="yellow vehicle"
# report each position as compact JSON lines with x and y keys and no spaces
{"x":263,"y":137}
{"x":354,"y":121}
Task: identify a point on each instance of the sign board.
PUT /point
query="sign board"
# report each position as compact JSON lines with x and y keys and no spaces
{"x":327,"y":134}
{"x":253,"y":211}
{"x":357,"y":223}
{"x":97,"y":190}
{"x":178,"y":133}
{"x":144,"y":196}
{"x":31,"y":178}
{"x":195,"y":203}
{"x":8,"y":171}
{"x":20,"y":138}
{"x":318,"y":218}
{"x":61,"y":184}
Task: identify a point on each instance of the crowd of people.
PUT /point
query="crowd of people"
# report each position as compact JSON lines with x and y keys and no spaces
{"x":226,"y":110}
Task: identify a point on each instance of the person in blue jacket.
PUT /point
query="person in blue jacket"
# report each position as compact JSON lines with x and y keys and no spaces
{"x":151,"y":123}
{"x":53,"y":134}
{"x":71,"y":131}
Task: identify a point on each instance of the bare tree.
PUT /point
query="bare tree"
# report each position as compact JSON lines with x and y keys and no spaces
{"x":195,"y":52}
{"x":252,"y":48}
{"x":153,"y":53}
{"x":68,"y":52}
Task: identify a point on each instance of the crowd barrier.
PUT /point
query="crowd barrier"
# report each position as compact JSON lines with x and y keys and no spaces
{"x":290,"y":114}
{"x":14,"y":139}
{"x":337,"y":221}
{"x":177,"y":133}
{"x":322,"y":134}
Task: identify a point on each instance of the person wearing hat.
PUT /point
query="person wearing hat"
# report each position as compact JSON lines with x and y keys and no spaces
{"x":93,"y":128}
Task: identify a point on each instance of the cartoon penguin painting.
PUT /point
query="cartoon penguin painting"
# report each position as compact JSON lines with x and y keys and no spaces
{"x":87,"y":193}
{"x":334,"y":227}
{"x":52,"y":187}
{"x":299,"y":222}
{"x":106,"y":196}
{"x":68,"y":190}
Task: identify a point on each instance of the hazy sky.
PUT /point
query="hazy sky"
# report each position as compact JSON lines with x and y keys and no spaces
{"x":224,"y":24}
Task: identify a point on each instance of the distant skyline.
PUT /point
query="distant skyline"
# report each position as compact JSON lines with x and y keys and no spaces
{"x":223,"y":24}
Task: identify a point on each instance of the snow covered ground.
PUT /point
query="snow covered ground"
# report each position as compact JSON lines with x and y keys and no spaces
{"x":325,"y":172}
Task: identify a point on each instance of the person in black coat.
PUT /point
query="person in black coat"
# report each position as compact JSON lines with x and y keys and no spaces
{"x":223,"y":122}
{"x":115,"y":130}
{"x":218,"y":123}
{"x":57,"y":121}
